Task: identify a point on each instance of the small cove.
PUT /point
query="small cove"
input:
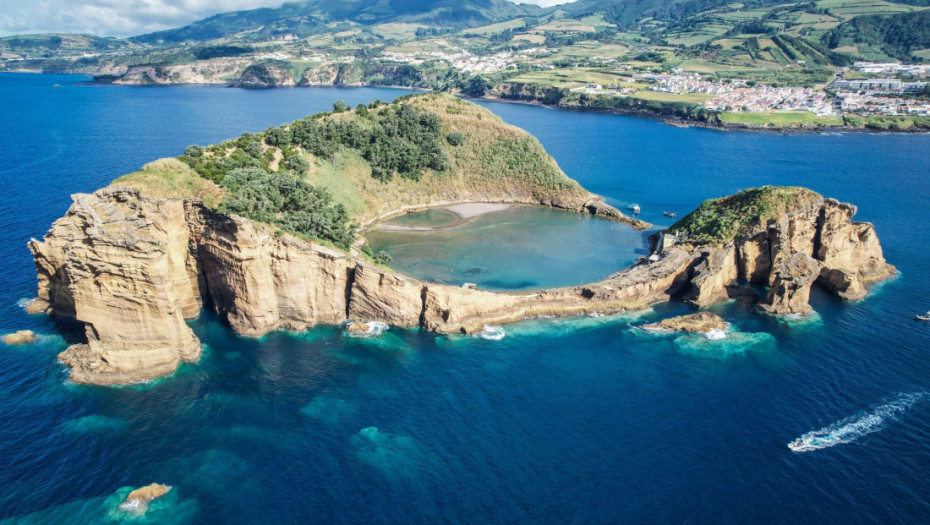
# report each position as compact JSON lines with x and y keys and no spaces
{"x":514,"y":248}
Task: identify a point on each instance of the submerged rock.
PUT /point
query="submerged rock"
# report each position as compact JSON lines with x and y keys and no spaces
{"x":703,"y":322}
{"x":20,"y":337}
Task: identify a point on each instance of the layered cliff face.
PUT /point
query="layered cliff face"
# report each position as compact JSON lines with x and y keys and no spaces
{"x":133,"y":268}
{"x":118,"y":262}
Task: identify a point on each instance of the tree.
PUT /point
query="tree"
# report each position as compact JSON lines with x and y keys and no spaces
{"x":340,"y":106}
{"x":194,"y":151}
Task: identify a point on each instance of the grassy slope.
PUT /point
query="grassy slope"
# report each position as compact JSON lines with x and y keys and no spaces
{"x":496,"y":162}
{"x":171,"y":179}
{"x":718,"y":221}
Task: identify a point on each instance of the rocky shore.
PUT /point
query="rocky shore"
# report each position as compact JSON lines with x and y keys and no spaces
{"x":133,"y":269}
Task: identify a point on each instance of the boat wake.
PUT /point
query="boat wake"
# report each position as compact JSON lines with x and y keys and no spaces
{"x":852,"y":428}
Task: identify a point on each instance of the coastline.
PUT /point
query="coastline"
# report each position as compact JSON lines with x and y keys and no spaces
{"x":695,"y":123}
{"x":675,"y":121}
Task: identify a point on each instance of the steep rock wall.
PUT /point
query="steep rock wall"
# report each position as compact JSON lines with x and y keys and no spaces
{"x":134,"y":268}
{"x":118,"y":262}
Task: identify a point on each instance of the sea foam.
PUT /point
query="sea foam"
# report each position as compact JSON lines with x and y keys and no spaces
{"x":492,"y":333}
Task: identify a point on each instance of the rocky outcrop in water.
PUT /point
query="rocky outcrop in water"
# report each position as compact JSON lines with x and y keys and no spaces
{"x":134,"y":269}
{"x":699,"y":323}
{"x":810,"y":240}
{"x":138,"y":500}
{"x":19,"y":337}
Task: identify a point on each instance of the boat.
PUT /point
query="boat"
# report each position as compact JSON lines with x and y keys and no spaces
{"x":634,"y":208}
{"x":670,"y":214}
{"x":923,"y":317}
{"x":796,"y":445}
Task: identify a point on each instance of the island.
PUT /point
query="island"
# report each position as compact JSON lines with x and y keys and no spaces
{"x":263,"y":230}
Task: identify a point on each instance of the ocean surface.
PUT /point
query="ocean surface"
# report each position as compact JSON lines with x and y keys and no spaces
{"x":586,"y":420}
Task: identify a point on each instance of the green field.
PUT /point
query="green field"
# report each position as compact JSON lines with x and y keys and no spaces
{"x":565,"y":77}
{"x":694,"y":98}
{"x":851,"y":8}
{"x":780,"y":119}
{"x":516,"y":23}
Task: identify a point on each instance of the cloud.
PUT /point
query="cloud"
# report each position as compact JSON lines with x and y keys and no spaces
{"x":111,"y":17}
{"x":124,"y":17}
{"x":545,"y":3}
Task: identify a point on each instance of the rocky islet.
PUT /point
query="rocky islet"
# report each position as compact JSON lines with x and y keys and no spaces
{"x":134,"y":267}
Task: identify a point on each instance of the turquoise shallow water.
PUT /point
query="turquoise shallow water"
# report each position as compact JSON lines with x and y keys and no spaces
{"x":521,"y":248}
{"x":581,"y":420}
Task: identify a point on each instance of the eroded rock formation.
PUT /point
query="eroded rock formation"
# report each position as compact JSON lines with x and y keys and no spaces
{"x":813,"y":240}
{"x":701,"y":322}
{"x":133,"y":269}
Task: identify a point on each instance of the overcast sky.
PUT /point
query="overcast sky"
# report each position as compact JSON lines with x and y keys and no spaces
{"x":121,"y":17}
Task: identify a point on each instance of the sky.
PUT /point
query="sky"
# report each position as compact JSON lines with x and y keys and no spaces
{"x":122,"y":17}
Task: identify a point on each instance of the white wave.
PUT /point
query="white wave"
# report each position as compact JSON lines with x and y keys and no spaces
{"x":852,"y":428}
{"x":375,"y":328}
{"x":595,"y":314}
{"x":492,"y":333}
{"x":134,"y":506}
{"x":715,"y":334}
{"x":24,"y":302}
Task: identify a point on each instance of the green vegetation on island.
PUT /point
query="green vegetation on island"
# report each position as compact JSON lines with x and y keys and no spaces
{"x":323,"y":176}
{"x":718,"y":221}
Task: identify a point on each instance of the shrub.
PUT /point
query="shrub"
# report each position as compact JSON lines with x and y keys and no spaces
{"x":296,"y":164}
{"x":278,"y":137}
{"x":254,"y":149}
{"x":456,"y":138}
{"x":194,"y":151}
{"x":383,"y":257}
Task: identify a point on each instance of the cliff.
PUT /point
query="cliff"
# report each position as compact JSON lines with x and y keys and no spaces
{"x":136,"y":260}
{"x":134,"y":268}
{"x":783,"y":238}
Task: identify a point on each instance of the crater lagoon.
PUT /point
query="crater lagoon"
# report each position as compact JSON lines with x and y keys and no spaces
{"x":507,"y":247}
{"x":586,"y":420}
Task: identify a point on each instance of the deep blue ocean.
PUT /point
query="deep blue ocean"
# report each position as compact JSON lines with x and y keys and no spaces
{"x":569,"y":421}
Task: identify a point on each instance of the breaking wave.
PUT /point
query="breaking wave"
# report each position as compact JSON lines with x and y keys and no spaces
{"x":852,"y":428}
{"x":375,"y":328}
{"x":492,"y":333}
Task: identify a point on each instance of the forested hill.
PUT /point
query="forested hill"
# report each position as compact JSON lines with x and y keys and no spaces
{"x":311,"y":16}
{"x":897,"y":35}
